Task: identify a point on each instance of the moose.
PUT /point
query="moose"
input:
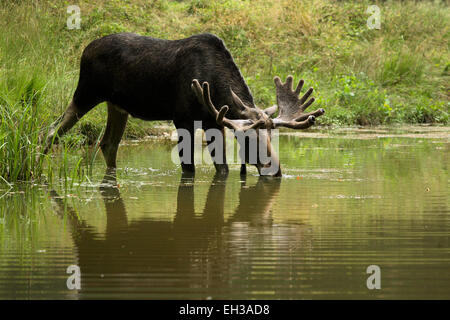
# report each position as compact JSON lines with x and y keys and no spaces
{"x":186,"y":80}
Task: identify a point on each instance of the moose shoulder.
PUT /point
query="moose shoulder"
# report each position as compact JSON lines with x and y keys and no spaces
{"x":180,"y":80}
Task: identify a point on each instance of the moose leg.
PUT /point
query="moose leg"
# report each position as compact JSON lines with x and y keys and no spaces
{"x":115,"y":127}
{"x":186,"y":137}
{"x":243,"y":170}
{"x":64,"y":123}
{"x":217,"y":149}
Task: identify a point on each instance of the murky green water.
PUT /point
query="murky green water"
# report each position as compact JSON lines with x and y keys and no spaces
{"x":346,"y":201}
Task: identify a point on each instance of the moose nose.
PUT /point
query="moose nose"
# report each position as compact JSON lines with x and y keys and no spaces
{"x":269,"y":170}
{"x":278,"y":174}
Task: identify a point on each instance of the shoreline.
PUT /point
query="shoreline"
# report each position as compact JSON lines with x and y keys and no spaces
{"x":424,"y":131}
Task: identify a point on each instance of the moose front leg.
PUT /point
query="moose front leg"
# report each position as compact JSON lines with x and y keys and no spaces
{"x":186,"y":137}
{"x":216,"y":140}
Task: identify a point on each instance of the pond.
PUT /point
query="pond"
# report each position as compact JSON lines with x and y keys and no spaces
{"x":348,"y":199}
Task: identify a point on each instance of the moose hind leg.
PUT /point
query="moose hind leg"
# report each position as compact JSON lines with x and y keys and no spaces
{"x":64,"y":123}
{"x":115,"y":127}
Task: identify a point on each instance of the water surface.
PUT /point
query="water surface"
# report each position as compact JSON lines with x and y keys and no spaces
{"x":348,"y":199}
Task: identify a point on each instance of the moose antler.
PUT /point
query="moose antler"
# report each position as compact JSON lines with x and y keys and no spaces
{"x":292,"y":108}
{"x":204,"y":97}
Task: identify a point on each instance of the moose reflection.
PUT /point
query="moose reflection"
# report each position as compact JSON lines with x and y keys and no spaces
{"x":193,"y":252}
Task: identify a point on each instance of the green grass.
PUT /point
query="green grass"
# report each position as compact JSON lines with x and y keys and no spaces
{"x":398,"y":74}
{"x":19,"y":131}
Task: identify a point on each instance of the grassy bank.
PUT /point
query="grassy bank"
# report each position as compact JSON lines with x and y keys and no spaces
{"x":398,"y":74}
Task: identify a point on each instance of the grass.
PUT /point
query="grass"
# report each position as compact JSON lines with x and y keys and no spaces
{"x":398,"y":74}
{"x":19,"y":132}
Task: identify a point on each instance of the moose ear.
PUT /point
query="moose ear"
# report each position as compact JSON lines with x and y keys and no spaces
{"x":271,"y":110}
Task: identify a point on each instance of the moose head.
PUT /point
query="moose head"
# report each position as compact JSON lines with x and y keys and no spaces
{"x":254,"y":125}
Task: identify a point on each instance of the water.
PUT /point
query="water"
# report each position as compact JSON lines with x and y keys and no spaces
{"x":347,"y":200}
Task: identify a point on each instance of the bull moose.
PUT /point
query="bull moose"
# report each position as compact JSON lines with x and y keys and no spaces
{"x":181,"y":80}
